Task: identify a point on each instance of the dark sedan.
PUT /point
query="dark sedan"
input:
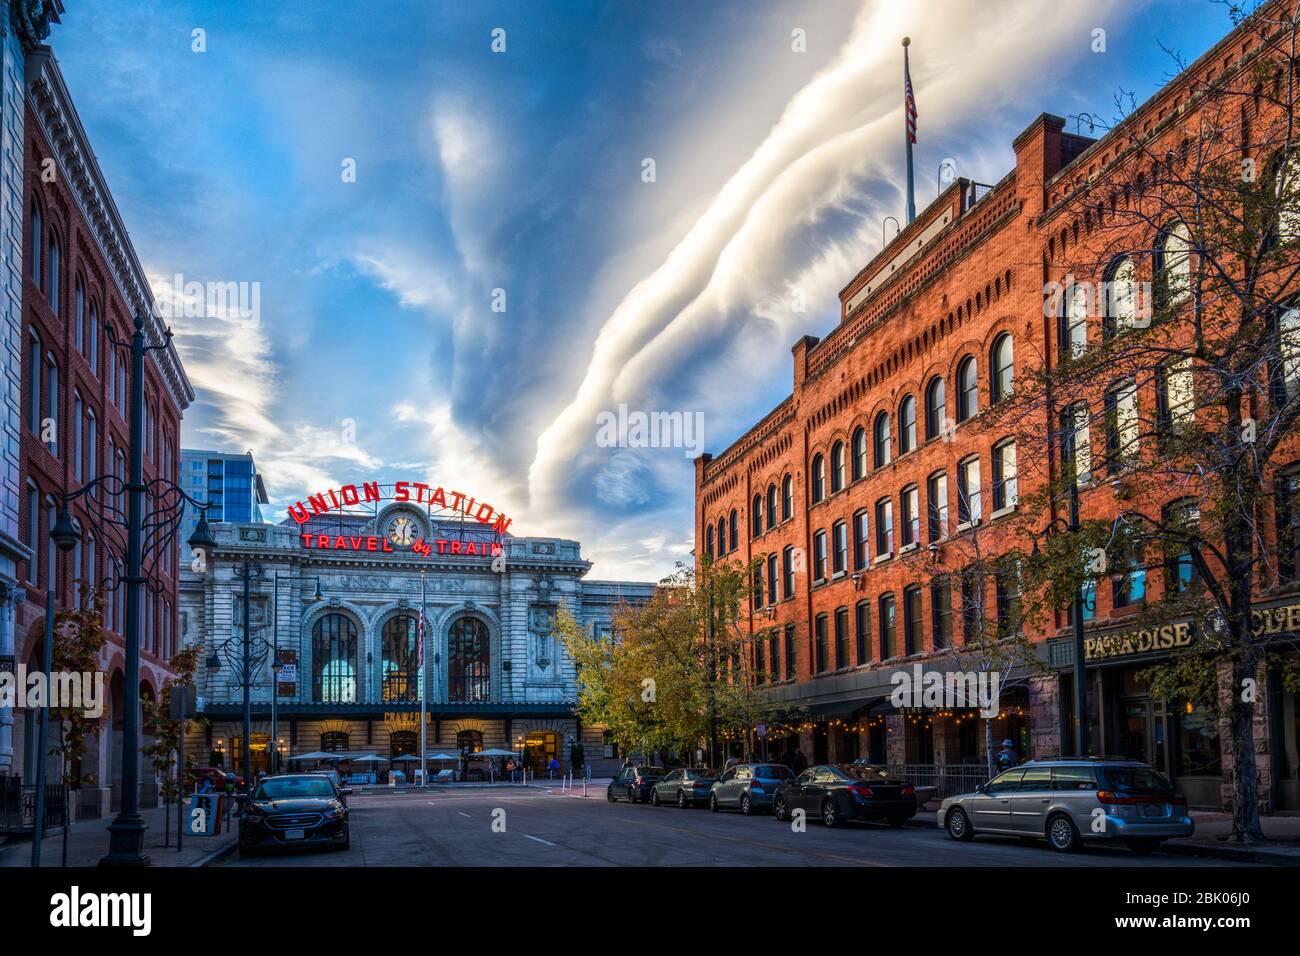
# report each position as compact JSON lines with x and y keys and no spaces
{"x":633,"y":784}
{"x":839,"y":792}
{"x":294,"y":810}
{"x":685,"y":786}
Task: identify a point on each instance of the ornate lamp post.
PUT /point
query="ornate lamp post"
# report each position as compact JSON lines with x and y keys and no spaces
{"x":151,"y":520}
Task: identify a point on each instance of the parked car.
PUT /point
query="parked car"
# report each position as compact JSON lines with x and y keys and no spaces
{"x":748,"y":787}
{"x":1057,"y":800}
{"x":195,"y":776}
{"x":685,"y":786}
{"x":633,"y":784}
{"x":837,"y":793}
{"x":291,"y":810}
{"x":332,"y":775}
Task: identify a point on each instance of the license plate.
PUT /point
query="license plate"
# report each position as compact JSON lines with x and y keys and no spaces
{"x":295,"y":834}
{"x":1153,"y":810}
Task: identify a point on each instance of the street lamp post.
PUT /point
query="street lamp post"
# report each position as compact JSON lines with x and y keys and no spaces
{"x":146,"y":536}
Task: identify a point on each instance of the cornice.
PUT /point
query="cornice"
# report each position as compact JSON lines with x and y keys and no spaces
{"x":52,"y":106}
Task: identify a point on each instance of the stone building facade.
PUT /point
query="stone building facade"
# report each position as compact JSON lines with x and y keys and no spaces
{"x":337,"y":601}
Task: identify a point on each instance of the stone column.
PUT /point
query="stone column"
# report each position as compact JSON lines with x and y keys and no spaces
{"x":1045,"y":717}
{"x":8,"y":645}
{"x":896,"y":740}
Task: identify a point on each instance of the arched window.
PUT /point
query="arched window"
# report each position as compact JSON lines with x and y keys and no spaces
{"x":334,"y":741}
{"x":52,"y":294}
{"x":936,"y":408}
{"x":818,"y":478}
{"x":771,"y":505}
{"x":92,"y":338}
{"x":334,"y":660}
{"x":906,"y":425}
{"x":787,"y":498}
{"x":968,"y":389}
{"x":1073,"y":332}
{"x":1288,"y":327}
{"x":859,"y":452}
{"x":837,"y":466}
{"x":1001,"y":368}
{"x":402,"y":742}
{"x":79,"y":315}
{"x":468,"y":661}
{"x":37,"y":246}
{"x":1288,"y":194}
{"x":733,"y":521}
{"x":882,"y":436}
{"x":400,"y":670}
{"x":1121,"y":298}
{"x":756,"y":514}
{"x":1175,"y":264}
{"x":471,"y":740}
{"x":708,"y":540}
{"x":722,"y":536}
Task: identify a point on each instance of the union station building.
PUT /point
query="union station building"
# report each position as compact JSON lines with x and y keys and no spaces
{"x":335,"y":593}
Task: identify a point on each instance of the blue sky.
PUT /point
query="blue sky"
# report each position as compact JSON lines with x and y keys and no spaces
{"x":522,"y":171}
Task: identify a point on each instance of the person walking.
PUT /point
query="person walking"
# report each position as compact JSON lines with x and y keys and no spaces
{"x":1006,"y":757}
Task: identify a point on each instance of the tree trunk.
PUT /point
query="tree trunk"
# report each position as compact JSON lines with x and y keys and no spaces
{"x":988,"y":744}
{"x":1245,"y":772}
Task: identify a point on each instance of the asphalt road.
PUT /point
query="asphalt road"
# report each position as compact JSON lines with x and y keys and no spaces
{"x":534,"y":827}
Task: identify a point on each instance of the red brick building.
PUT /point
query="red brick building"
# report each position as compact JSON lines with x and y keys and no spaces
{"x":884,"y":465}
{"x":81,"y":274}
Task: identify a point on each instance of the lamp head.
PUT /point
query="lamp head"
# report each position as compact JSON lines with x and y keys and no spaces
{"x":201,"y":540}
{"x":66,"y":532}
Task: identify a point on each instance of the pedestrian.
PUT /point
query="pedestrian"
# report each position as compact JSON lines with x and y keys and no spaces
{"x":1006,"y":757}
{"x":553,"y":767}
{"x":799,"y":763}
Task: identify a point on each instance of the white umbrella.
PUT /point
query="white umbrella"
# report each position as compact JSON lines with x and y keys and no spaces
{"x":406,"y":757}
{"x":316,"y":755}
{"x":494,"y":752}
{"x":367,"y":758}
{"x":443,"y":757}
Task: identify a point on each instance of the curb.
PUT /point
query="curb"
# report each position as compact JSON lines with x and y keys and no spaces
{"x":1232,"y":853}
{"x":220,"y":853}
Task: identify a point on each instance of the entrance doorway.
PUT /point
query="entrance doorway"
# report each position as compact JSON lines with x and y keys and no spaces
{"x":543,"y":745}
{"x":259,"y":754}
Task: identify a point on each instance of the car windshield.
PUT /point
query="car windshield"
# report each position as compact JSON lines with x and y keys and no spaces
{"x":1136,"y":778}
{"x":701,"y":774}
{"x":288,"y":788}
{"x":866,"y":772}
{"x":772,"y":771}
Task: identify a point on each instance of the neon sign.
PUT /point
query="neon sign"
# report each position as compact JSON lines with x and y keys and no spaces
{"x":381,"y":545}
{"x":418,"y":492}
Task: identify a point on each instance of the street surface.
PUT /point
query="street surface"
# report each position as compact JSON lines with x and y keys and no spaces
{"x":455,"y":828}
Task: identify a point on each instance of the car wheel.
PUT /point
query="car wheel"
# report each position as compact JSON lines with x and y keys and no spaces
{"x":745,"y":806}
{"x":779,"y":809}
{"x":896,"y":822}
{"x":609,"y":795}
{"x":631,"y":795}
{"x":681,"y":799}
{"x":346,"y":844}
{"x":831,"y":813}
{"x":1144,"y":845}
{"x":654,"y":797}
{"x":713,"y":803}
{"x":958,"y":825}
{"x":1062,"y":834}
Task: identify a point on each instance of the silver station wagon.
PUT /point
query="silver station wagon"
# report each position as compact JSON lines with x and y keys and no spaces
{"x":1069,"y":800}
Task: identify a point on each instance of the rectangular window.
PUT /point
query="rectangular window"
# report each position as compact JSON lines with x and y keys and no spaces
{"x":888,"y":635}
{"x":34,"y":535}
{"x":789,"y":652}
{"x":968,"y":491}
{"x":819,"y":556}
{"x":941,"y":612}
{"x":1008,"y":595}
{"x":972,"y":606}
{"x":1004,"y":476}
{"x":913,"y":632}
{"x":78,"y":414}
{"x":1077,"y":446}
{"x":819,"y":642}
{"x":884,"y":528}
{"x":1129,"y":585}
{"x":840,"y":547}
{"x":774,"y":656}
{"x":1121,"y":426}
{"x":911,"y":505}
{"x":938,"y":506}
{"x":862,"y":622}
{"x":35,"y":376}
{"x":787,"y":570}
{"x":1175,"y":396}
{"x":771,"y":579}
{"x":861,"y":553}
{"x":842,"y":637}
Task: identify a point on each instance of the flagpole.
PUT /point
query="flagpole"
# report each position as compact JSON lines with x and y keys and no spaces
{"x":908,"y":135}
{"x":424,"y":768}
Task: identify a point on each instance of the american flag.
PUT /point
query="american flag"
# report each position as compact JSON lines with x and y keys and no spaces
{"x":910,"y":107}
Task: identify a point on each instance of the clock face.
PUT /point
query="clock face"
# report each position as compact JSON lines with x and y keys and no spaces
{"x":402,"y":530}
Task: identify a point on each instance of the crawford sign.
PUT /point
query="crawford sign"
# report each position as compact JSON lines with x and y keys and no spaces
{"x":417,"y":492}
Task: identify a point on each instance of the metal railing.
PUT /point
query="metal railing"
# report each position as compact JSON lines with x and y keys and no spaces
{"x":948,"y":779}
{"x":18,"y":805}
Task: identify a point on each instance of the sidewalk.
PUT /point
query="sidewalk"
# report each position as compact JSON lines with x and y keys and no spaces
{"x":1211,"y":831}
{"x":88,"y":842}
